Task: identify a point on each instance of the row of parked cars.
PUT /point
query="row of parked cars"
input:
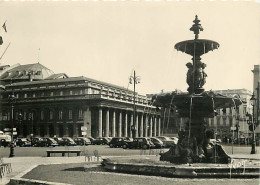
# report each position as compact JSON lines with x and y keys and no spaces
{"x":143,"y":142}
{"x":122,"y":142}
{"x":56,"y":141}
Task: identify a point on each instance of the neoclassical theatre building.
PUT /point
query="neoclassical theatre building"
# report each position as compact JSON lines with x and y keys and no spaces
{"x":49,"y":104}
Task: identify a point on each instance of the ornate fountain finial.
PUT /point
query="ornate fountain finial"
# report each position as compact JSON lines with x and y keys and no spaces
{"x":196,"y":28}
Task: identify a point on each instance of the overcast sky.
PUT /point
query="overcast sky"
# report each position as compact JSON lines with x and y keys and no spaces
{"x":106,"y":41}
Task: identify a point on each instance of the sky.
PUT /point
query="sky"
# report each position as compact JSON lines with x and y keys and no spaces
{"x":106,"y":41}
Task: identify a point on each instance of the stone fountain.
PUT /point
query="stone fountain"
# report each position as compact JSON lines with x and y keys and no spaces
{"x":194,"y":142}
{"x":194,"y":156}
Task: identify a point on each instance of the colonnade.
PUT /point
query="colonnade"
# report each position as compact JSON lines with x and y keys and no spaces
{"x":120,"y":123}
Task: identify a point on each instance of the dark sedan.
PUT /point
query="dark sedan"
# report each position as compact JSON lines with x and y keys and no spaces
{"x":23,"y":142}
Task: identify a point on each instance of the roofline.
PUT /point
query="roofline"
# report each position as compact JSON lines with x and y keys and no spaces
{"x":70,"y":79}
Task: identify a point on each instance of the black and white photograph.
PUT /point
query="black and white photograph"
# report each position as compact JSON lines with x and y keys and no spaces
{"x":129,"y":92}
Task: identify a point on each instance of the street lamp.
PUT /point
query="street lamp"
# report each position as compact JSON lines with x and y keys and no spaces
{"x":253,"y":102}
{"x":136,"y":80}
{"x":12,"y":100}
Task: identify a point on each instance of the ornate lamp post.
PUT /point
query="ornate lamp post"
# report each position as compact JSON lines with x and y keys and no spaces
{"x":136,"y":80}
{"x":12,"y":100}
{"x":253,"y":103}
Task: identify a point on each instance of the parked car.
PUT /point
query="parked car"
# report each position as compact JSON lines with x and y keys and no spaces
{"x":106,"y":140}
{"x":167,"y":141}
{"x":67,"y":141}
{"x":139,"y":142}
{"x":101,"y":141}
{"x":5,"y":139}
{"x":91,"y":139}
{"x":59,"y":140}
{"x":35,"y":141}
{"x":23,"y":142}
{"x":82,"y":140}
{"x":46,"y":142}
{"x":157,"y":142}
{"x":4,"y":143}
{"x":117,"y":142}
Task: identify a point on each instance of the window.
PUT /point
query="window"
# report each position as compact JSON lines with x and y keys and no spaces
{"x":25,"y":95}
{"x":51,"y":115}
{"x":70,"y":114}
{"x":17,"y":95}
{"x":33,"y":95}
{"x":60,"y":115}
{"x":61,"y":93}
{"x":51,"y":94}
{"x":71,"y":92}
{"x":80,"y":114}
{"x":81,"y":92}
{"x":42,"y":94}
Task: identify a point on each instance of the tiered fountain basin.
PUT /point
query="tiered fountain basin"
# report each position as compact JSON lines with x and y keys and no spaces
{"x":197,"y":46}
{"x":150,"y":165}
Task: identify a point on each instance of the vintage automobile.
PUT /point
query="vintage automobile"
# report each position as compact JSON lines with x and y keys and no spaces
{"x":82,"y":141}
{"x":46,"y":142}
{"x":67,"y":141}
{"x":118,"y":142}
{"x":157,"y":142}
{"x":139,"y":142}
{"x":167,"y":141}
{"x":35,"y":141}
{"x":59,"y":140}
{"x":101,"y":141}
{"x":91,"y":139}
{"x":23,"y":142}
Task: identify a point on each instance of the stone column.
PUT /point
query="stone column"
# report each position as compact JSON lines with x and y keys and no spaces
{"x":142,"y":125}
{"x":151,"y":127}
{"x":155,"y":126}
{"x":131,"y":123}
{"x":120,"y":124}
{"x":87,"y":120}
{"x":159,"y":126}
{"x":126,"y":125}
{"x":137,"y":127}
{"x":114,"y":124}
{"x":146,"y":126}
{"x":100,"y":122}
{"x":107,"y":123}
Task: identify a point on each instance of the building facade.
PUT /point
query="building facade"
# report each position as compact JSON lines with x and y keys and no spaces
{"x":49,"y":104}
{"x":231,"y":122}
